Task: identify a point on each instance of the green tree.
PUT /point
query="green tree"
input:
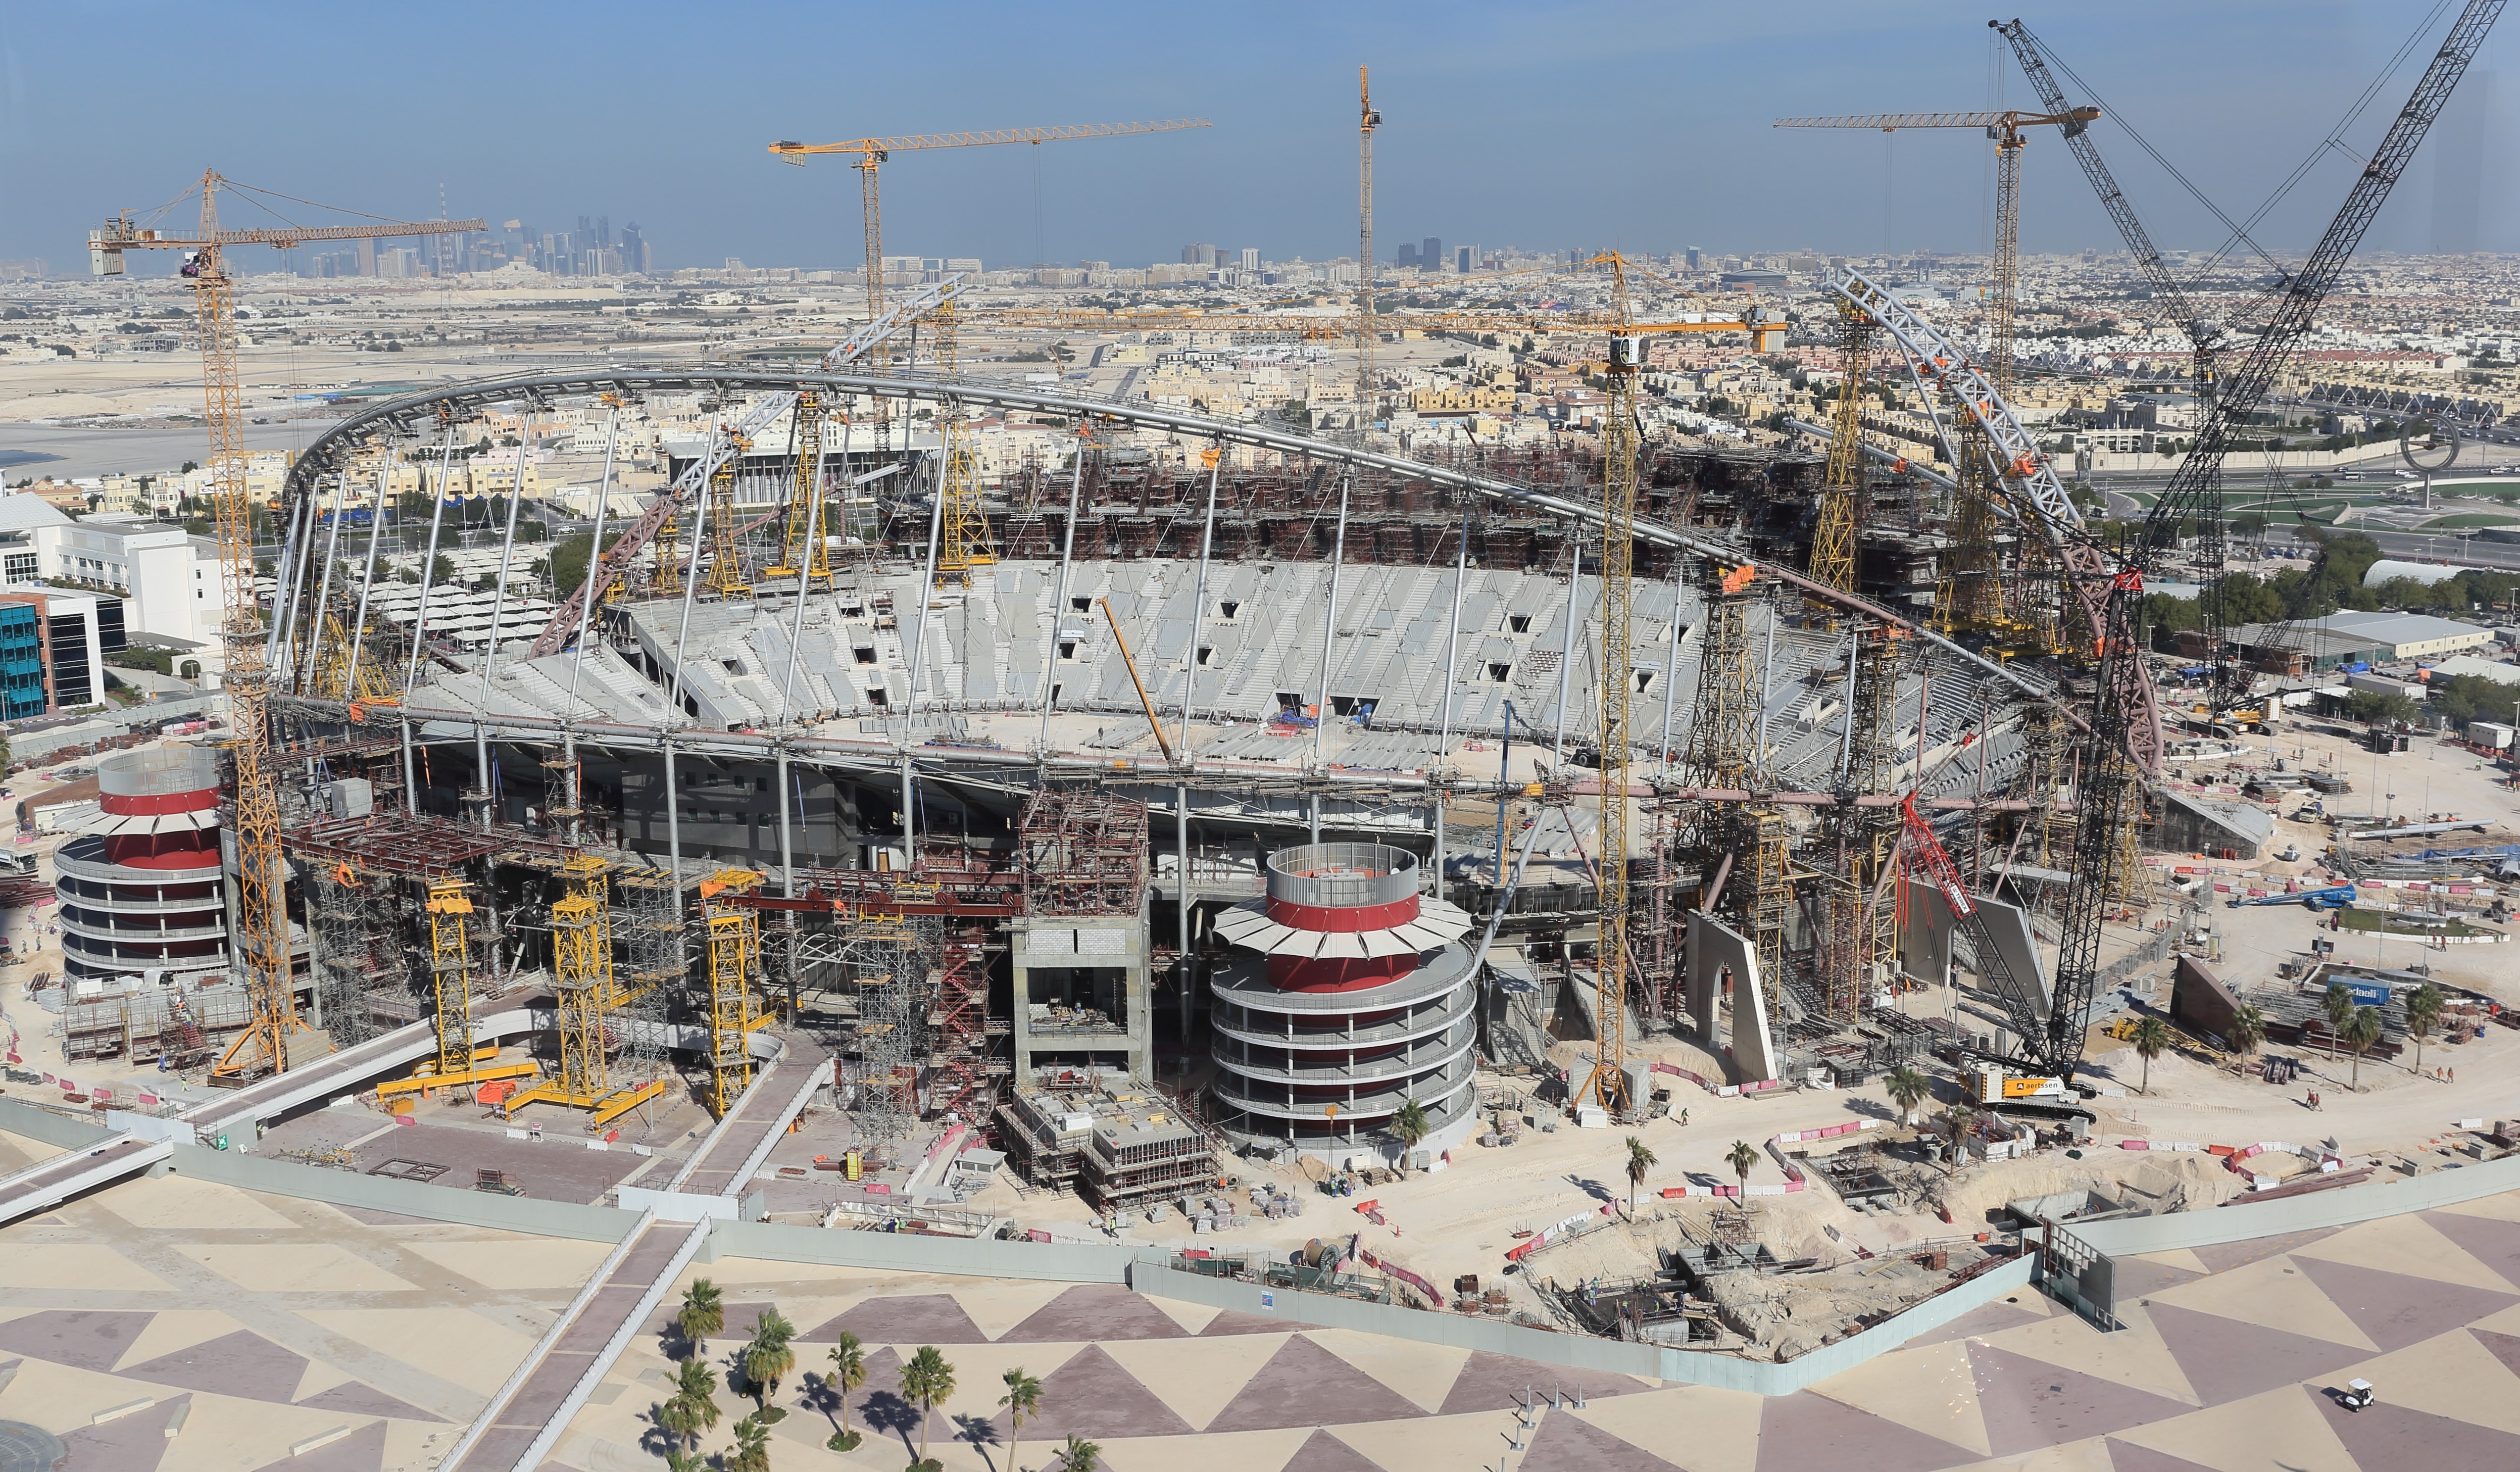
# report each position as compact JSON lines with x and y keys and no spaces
{"x":569,"y":558}
{"x":1907,"y":1087}
{"x":2337,"y":1007}
{"x":1958,"y":1122}
{"x":1408,"y":1126}
{"x":926,"y":1382}
{"x":2423,"y":1011}
{"x":1641,"y":1159}
{"x":752,"y":1449}
{"x":2151,"y":1040}
{"x":703,"y":1313}
{"x":693,"y":1407}
{"x":1023,"y":1401}
{"x":769,"y":1358}
{"x":1079,"y":1455}
{"x":2361,"y":1031}
{"x":441,"y":570}
{"x":1741,"y":1157}
{"x":848,"y":1375}
{"x":2248,"y":1029}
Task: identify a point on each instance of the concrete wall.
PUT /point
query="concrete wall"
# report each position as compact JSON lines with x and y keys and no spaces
{"x":1148,"y":1274}
{"x":433,"y":1203}
{"x":2385,"y":1196}
{"x":898,"y":1252}
{"x":50,"y":1126}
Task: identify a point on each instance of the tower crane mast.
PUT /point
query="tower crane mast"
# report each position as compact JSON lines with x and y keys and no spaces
{"x":261,"y":950}
{"x":2107,"y":782}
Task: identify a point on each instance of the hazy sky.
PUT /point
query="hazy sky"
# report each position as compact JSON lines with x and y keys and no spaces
{"x":1640,"y":125}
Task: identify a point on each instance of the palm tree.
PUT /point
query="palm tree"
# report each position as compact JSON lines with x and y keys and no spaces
{"x":1639,"y":1160}
{"x":1958,"y":1122}
{"x":2424,"y":1010}
{"x":1741,"y":1158}
{"x":1079,"y":1455}
{"x":768,"y":1359}
{"x":679,"y":1460}
{"x":2151,"y":1040}
{"x":1410,"y":1126}
{"x":1908,"y":1089}
{"x":2337,"y":1007}
{"x":850,"y":1373}
{"x":1023,"y":1401}
{"x":693,"y":1407}
{"x":752,"y":1449}
{"x":2361,"y":1031}
{"x":926,"y":1382}
{"x":2248,"y":1029}
{"x":703,"y":1313}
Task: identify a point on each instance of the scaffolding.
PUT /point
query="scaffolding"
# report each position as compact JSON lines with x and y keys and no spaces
{"x":1084,"y":851}
{"x":734,"y":972}
{"x":891,"y":1043}
{"x":1968,"y":597}
{"x":965,"y":1082}
{"x":803,"y":543}
{"x":589,"y":1001}
{"x":449,"y":908}
{"x":358,"y":957}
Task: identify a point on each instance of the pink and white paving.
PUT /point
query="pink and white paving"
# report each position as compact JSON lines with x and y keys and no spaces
{"x":172,"y":1325}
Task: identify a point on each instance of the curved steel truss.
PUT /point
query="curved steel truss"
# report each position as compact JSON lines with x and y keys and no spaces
{"x":414,"y":413}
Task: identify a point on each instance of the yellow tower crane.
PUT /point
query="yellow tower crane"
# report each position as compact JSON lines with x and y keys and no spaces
{"x":1841,"y":507}
{"x":262,"y":924}
{"x":874,"y":153}
{"x":1970,"y":594}
{"x":1367,"y":120}
{"x":1620,"y":443}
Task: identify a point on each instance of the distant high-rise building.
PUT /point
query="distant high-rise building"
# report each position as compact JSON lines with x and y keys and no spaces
{"x":1431,"y":254}
{"x":634,"y":248}
{"x":1408,"y":255}
{"x":367,"y":258}
{"x":603,"y":229}
{"x":1250,"y":257}
{"x":1467,"y":261}
{"x":1693,"y":257}
{"x":1199,"y":255}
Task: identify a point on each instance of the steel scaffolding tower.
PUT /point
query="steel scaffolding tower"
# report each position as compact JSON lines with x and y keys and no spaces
{"x":802,"y":542}
{"x":358,"y":952}
{"x":893,"y":1036}
{"x":590,"y":1001}
{"x":727,"y":576}
{"x":733,"y":969}
{"x":450,"y":971}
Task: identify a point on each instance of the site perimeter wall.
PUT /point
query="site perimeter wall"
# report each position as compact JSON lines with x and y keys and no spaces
{"x":1149,"y":1272}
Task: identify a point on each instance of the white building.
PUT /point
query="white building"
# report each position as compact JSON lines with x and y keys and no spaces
{"x":167,"y":577}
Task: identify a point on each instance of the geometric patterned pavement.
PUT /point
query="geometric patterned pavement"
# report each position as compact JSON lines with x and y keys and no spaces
{"x":254,"y":1325}
{"x":2225,"y":1364}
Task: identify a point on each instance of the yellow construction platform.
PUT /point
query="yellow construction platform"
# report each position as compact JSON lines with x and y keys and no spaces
{"x":602,"y":1111}
{"x":423,"y":1082}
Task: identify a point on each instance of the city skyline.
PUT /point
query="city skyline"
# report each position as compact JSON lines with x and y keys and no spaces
{"x":1485,"y":130}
